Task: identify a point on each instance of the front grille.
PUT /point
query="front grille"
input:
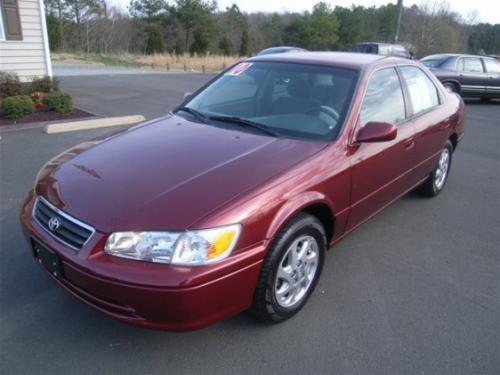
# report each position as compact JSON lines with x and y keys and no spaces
{"x":62,"y":226}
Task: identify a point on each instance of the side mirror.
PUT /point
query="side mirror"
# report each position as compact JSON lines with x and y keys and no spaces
{"x":377,"y":132}
{"x":186,"y":96}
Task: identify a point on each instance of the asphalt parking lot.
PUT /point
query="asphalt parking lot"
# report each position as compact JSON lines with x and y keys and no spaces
{"x":416,"y":290}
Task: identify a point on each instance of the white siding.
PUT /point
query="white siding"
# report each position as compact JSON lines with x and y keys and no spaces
{"x":26,"y":57}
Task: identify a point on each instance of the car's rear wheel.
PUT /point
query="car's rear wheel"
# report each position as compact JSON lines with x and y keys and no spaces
{"x":437,"y":179}
{"x":291,"y":270}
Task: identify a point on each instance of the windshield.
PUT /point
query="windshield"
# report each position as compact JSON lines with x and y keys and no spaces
{"x":435,"y":61}
{"x":295,"y":100}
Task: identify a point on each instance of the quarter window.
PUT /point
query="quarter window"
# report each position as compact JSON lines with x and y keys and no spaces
{"x":383,"y":101}
{"x":423,"y":93}
{"x":470,"y":65}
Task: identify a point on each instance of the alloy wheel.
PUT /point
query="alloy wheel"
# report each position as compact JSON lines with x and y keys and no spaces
{"x":296,"y":271}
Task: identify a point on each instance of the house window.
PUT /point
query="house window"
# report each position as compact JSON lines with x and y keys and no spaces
{"x":10,"y":21}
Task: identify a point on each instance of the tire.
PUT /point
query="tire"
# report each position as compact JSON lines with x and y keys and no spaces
{"x":452,"y":87}
{"x":438,"y":177}
{"x":284,"y":286}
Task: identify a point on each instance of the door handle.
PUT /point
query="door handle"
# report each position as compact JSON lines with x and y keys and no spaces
{"x":409,"y":144}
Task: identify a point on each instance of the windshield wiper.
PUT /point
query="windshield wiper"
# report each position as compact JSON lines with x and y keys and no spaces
{"x":200,"y":116}
{"x":245,"y":122}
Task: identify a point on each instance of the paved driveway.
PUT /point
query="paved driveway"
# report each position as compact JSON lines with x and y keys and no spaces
{"x":112,"y":94}
{"x":414,"y":291}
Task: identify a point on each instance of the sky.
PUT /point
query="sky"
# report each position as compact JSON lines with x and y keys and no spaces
{"x":485,"y":10}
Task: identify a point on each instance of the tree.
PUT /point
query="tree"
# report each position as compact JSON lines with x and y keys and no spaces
{"x":352,"y":26}
{"x":297,"y":33}
{"x":58,"y":8}
{"x":80,"y":11}
{"x":245,"y":43}
{"x":147,"y":9}
{"x":54,"y":32}
{"x":226,"y":46}
{"x":273,"y":29}
{"x":234,"y":25}
{"x":155,"y":42}
{"x":195,"y":16}
{"x":323,"y":27}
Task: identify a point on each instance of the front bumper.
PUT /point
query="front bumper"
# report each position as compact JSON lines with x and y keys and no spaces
{"x":147,"y":294}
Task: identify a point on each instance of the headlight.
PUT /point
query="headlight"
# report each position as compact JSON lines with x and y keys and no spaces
{"x":188,"y":248}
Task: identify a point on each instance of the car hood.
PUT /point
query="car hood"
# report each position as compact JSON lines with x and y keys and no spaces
{"x":167,"y":174}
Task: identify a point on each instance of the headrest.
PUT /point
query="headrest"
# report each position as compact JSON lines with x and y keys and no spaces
{"x":299,"y":87}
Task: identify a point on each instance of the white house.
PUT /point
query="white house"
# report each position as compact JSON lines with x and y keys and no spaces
{"x":24,"y":44}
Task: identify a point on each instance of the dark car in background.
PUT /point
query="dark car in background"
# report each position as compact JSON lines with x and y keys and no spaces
{"x":280,"y":49}
{"x":384,"y":49}
{"x":468,"y":75}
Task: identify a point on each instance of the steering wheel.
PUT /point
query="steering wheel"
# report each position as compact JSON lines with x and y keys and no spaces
{"x":329,"y":111}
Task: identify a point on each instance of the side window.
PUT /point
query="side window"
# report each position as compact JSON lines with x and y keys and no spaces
{"x":423,"y":92}
{"x":383,"y":101}
{"x":492,"y":66}
{"x":470,"y":65}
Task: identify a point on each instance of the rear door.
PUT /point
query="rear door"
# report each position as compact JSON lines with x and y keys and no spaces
{"x":493,"y":73}
{"x":381,"y":171}
{"x":471,"y":76}
{"x":431,"y":120}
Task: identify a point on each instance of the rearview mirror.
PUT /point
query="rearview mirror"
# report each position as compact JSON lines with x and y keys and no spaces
{"x":186,"y":96}
{"x":377,"y":132}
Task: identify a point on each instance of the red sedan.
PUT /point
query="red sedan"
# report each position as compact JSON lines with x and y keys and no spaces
{"x":230,"y":202}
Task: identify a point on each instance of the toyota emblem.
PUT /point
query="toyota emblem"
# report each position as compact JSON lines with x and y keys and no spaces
{"x":54,"y":224}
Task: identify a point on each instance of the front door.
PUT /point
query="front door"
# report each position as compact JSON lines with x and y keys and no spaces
{"x":381,"y":171}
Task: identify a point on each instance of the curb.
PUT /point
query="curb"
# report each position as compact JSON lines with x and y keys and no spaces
{"x":62,"y":127}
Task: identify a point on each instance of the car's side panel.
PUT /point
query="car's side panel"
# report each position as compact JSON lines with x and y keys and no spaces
{"x":493,"y":79}
{"x":432,"y":129}
{"x":471,"y":82}
{"x":380,"y":171}
{"x":324,"y":179}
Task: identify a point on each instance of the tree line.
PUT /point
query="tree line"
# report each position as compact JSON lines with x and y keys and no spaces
{"x":199,"y":27}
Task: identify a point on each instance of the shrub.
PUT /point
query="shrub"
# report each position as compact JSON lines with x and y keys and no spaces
{"x":44,"y":84}
{"x":10,"y":85}
{"x":59,"y":102}
{"x":17,"y":106}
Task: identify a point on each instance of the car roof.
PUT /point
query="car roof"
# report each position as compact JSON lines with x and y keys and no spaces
{"x":455,"y":55}
{"x":344,"y":59}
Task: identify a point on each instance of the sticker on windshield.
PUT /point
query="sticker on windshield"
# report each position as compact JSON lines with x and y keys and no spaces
{"x":238,"y":69}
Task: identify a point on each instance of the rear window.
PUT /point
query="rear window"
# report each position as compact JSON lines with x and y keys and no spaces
{"x":366,"y":48}
{"x":492,"y":66}
{"x":470,"y":65}
{"x":435,"y":62}
{"x":423,"y":93}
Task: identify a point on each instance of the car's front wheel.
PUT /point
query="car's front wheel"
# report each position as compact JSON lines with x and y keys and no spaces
{"x":437,"y":179}
{"x":291,"y":270}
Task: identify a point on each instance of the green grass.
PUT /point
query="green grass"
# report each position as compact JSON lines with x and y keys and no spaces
{"x":124,"y":61}
{"x":110,"y":60}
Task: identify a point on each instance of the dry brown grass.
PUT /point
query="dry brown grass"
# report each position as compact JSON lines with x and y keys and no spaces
{"x":163,"y":61}
{"x":212,"y":63}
